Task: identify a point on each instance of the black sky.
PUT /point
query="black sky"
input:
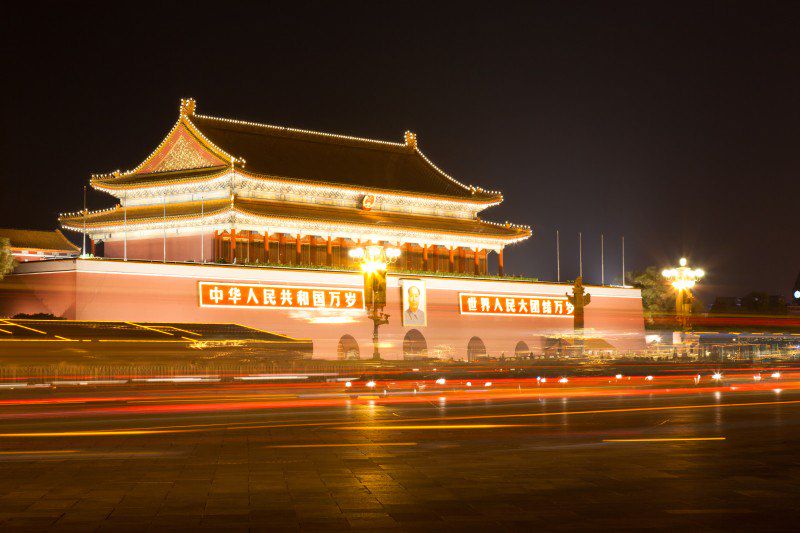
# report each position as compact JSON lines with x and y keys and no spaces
{"x":677,"y":125}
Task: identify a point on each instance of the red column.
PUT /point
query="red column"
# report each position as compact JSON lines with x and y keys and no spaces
{"x":266,"y":247}
{"x":500,"y":269}
{"x":452,"y":260}
{"x":232,"y":251}
{"x":477,"y":262}
{"x":91,"y":243}
{"x":250,"y":248}
{"x":329,"y":252}
{"x":462,"y":260}
{"x":425,"y":257}
{"x":282,"y":248}
{"x":299,"y":249}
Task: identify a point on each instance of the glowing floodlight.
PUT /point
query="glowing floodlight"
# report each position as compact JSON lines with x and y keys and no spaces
{"x":563,"y":380}
{"x":776,"y":375}
{"x":371,"y":384}
{"x":441,"y":381}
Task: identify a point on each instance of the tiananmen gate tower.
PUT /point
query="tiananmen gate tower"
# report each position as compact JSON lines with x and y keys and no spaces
{"x":239,"y":222}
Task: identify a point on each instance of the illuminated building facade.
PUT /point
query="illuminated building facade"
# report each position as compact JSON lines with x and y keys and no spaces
{"x":232,"y":221}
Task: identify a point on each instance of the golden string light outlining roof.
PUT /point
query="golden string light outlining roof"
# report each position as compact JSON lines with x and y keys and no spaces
{"x":115,"y":218}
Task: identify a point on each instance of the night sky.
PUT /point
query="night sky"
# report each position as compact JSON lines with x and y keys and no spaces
{"x":676,"y":125}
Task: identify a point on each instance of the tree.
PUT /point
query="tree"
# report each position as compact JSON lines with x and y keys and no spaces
{"x":7,"y":261}
{"x":658,"y":297}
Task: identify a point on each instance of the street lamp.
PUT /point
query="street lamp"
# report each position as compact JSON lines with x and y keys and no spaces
{"x":374,"y":259}
{"x":683,"y":279}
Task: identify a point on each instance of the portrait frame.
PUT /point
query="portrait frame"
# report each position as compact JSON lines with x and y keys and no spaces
{"x":409,"y":302}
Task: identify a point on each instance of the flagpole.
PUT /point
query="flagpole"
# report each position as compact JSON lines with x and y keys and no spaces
{"x":558,"y":258}
{"x":602,"y":262}
{"x":83,"y":248}
{"x":165,"y":228}
{"x":202,"y":228}
{"x":623,"y":260}
{"x":125,"y":231}
{"x":580,"y":255}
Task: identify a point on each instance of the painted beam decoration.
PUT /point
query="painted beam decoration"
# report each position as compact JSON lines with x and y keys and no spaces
{"x":254,"y":296}
{"x":510,"y":305}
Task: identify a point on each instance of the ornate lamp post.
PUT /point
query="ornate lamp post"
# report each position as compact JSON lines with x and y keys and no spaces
{"x":374,"y":260}
{"x":683,"y":279}
{"x":580,"y":299}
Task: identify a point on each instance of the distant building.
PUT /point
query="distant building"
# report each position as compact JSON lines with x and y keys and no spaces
{"x":754,"y":303}
{"x":34,"y":245}
{"x":794,"y":305}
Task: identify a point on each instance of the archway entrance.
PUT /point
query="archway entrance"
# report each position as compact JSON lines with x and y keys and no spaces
{"x":475,"y":349}
{"x":348,"y":348}
{"x":522,"y":350}
{"x":414,"y":345}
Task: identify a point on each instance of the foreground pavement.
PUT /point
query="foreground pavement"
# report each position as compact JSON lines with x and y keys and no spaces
{"x":256,"y":457}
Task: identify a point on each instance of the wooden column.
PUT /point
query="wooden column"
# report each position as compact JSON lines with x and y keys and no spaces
{"x":425,"y":257}
{"x":452,"y":259}
{"x":266,"y":247}
{"x":477,"y":262}
{"x":462,"y":260}
{"x":232,"y":251}
{"x":250,"y":248}
{"x":329,"y":252}
{"x":299,"y":250}
{"x":282,"y":248}
{"x":91,"y":243}
{"x":500,"y":269}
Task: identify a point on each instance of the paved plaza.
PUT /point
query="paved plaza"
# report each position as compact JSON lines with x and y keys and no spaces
{"x":437,"y":465}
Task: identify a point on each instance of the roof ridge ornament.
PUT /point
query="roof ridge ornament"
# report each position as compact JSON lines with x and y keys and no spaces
{"x":188,"y":106}
{"x":411,"y":139}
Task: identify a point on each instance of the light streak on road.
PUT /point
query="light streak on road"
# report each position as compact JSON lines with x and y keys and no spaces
{"x":99,"y":433}
{"x":39,"y":452}
{"x":436,"y":427}
{"x":342,"y":445}
{"x":666,"y":439}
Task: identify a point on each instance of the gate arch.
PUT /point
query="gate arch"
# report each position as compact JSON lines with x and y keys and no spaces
{"x":475,"y":349}
{"x":414,"y":345}
{"x":348,"y":348}
{"x":521,"y":349}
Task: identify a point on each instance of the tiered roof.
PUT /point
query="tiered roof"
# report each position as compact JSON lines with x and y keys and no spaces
{"x":203,"y":153}
{"x":38,"y":240}
{"x":294,"y":154}
{"x":288,"y":213}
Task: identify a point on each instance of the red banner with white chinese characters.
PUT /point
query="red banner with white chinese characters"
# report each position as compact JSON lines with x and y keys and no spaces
{"x":505,"y":305}
{"x":252,"y":296}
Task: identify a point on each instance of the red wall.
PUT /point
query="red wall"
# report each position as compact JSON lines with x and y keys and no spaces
{"x":116,"y":290}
